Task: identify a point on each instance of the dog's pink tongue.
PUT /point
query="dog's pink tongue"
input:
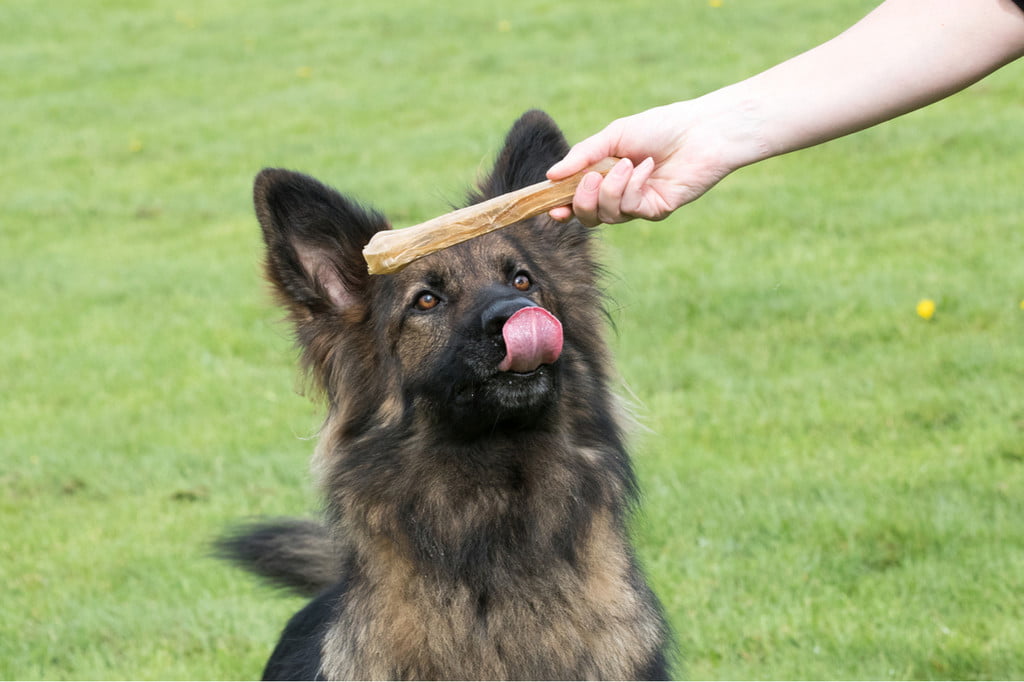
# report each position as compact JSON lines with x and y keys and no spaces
{"x":533,"y":337}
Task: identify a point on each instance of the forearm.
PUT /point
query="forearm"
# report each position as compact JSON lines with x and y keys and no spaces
{"x":904,"y":55}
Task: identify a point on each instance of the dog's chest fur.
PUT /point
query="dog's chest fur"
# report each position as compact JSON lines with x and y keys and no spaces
{"x":399,"y":623}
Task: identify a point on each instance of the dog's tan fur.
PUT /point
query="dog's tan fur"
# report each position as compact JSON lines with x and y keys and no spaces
{"x":478,"y":518}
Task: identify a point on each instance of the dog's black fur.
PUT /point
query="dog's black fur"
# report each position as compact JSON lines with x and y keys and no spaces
{"x":476,"y":519}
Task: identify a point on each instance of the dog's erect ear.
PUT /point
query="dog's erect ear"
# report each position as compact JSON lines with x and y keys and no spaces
{"x":532,"y":146}
{"x":314,"y":239}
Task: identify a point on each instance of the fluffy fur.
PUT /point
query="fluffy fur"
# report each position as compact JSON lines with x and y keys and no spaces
{"x":476,"y":520}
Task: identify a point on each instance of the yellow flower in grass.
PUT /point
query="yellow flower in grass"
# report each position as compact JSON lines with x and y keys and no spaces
{"x":926,"y":308}
{"x":185,"y":20}
{"x":715,"y":3}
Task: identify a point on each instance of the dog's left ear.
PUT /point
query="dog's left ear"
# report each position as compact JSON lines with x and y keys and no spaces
{"x":314,"y":239}
{"x":533,"y":145}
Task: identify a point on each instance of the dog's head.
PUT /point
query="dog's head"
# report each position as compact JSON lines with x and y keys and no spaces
{"x":485,"y":336}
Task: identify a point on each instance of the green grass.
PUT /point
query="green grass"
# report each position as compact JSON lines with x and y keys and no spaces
{"x":834,"y":486}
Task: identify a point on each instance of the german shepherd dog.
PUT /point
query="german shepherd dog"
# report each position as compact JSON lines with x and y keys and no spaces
{"x":477,"y":488}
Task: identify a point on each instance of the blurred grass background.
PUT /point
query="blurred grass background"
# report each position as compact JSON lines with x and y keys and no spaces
{"x":834,"y":486}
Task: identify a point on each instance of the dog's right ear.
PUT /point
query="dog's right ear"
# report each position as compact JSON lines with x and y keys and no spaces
{"x":314,"y":239}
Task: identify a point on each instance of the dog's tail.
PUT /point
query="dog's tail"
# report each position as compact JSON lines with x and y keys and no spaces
{"x":297,"y":554}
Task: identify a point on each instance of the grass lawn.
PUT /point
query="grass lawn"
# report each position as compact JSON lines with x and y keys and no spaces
{"x":834,"y":486}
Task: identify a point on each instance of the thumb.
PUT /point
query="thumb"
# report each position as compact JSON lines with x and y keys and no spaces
{"x":582,"y":155}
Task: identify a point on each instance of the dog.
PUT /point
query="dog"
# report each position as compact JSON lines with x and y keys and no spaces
{"x":476,"y":482}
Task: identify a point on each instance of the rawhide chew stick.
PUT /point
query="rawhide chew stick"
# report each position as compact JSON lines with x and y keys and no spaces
{"x":391,"y":250}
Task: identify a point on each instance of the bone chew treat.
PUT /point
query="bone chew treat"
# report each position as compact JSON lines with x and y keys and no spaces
{"x":391,"y":250}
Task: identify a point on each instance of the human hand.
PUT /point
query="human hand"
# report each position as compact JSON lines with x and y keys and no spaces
{"x":671,"y":155}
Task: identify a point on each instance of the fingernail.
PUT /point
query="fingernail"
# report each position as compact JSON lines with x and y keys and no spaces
{"x":591,"y":181}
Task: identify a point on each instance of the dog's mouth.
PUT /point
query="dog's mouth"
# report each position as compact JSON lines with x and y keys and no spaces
{"x":525,"y":383}
{"x":511,"y":394}
{"x":533,"y":338}
{"x":523,"y":375}
{"x":509,"y":381}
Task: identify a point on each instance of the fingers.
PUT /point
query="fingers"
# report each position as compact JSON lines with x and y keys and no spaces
{"x":632,"y":199}
{"x":616,"y":198}
{"x":561,"y":214}
{"x":583,"y":154}
{"x":609,"y":193}
{"x":584,"y":202}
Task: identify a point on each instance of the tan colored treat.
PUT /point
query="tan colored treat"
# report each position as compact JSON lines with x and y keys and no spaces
{"x":392,"y":250}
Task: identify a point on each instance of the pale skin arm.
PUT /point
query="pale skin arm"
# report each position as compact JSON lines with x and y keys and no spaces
{"x":904,"y":55}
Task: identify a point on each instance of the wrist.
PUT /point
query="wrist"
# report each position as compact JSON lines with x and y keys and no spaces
{"x":732,"y":126}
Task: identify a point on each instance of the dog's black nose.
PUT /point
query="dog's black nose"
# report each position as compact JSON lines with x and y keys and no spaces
{"x":494,"y":316}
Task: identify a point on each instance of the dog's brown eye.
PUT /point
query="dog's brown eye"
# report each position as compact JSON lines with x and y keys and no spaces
{"x":522,"y":282}
{"x":426,"y":301}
